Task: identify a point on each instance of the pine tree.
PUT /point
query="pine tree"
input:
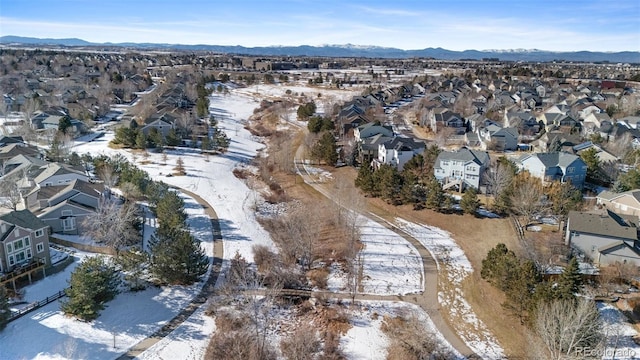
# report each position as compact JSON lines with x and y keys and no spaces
{"x":435,"y":194}
{"x":388,"y":183}
{"x":169,"y":211}
{"x":177,"y":257}
{"x":365,"y":179}
{"x":5,"y":312}
{"x":93,"y":283}
{"x":141,"y":140}
{"x":569,"y":282}
{"x":325,"y":149}
{"x":133,"y":263}
{"x":520,"y":290}
{"x":469,"y":202}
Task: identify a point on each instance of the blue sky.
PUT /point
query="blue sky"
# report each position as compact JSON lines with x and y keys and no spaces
{"x":559,"y":25}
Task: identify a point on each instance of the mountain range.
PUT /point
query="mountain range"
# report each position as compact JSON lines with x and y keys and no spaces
{"x":349,"y":50}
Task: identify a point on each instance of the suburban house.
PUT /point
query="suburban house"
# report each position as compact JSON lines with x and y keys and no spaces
{"x":626,"y":203}
{"x":560,"y":166}
{"x":368,"y":147}
{"x":397,"y":151}
{"x":502,"y":139}
{"x":58,"y":174}
{"x":461,"y":168}
{"x":163,"y":123}
{"x":371,"y":129}
{"x":23,"y":238}
{"x":605,"y":238}
{"x":602,"y":155}
{"x":443,"y":117}
{"x":64,"y":207}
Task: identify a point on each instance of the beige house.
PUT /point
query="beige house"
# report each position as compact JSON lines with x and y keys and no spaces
{"x":626,"y":203}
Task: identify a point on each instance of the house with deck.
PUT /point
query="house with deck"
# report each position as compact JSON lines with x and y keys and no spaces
{"x":23,"y":239}
{"x":461,"y":168}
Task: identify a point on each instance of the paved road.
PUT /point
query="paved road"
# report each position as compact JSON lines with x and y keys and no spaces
{"x":202,"y":296}
{"x":428,"y":299}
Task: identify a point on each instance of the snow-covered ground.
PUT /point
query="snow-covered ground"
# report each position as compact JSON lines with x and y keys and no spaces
{"x":366,"y":340}
{"x":619,"y":334}
{"x":453,"y":261}
{"x":390,"y":264}
{"x":47,"y":333}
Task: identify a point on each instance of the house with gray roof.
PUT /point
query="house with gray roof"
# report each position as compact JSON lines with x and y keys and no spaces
{"x":368,"y":147}
{"x":462,"y":168}
{"x":371,"y":129}
{"x":58,"y":174}
{"x":23,"y":238}
{"x":605,"y":238}
{"x":397,"y":151}
{"x":555,"y":166}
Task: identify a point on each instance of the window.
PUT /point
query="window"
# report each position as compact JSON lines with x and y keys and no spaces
{"x":9,"y":248}
{"x":67,"y":212}
{"x":12,"y":260}
{"x":39,"y":248}
{"x":69,"y":224}
{"x":39,"y":233}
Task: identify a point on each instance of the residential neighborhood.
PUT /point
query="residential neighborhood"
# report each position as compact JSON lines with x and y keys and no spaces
{"x":187,"y":204}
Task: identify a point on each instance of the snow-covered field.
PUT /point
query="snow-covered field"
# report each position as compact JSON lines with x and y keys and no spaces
{"x":453,"y":261}
{"x":390,"y":264}
{"x":619,"y":334}
{"x":366,"y":340}
{"x":132,"y":316}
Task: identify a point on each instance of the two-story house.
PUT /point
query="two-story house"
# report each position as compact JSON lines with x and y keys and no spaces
{"x":555,"y":166}
{"x":65,"y":207}
{"x":397,"y":151}
{"x":23,"y":238}
{"x":462,"y":168}
{"x":626,"y":203}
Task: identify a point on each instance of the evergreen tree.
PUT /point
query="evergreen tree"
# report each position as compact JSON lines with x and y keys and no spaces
{"x":125,"y":136}
{"x":520,"y":290}
{"x":133,"y":263}
{"x":435,"y":194}
{"x":365,"y":179}
{"x":177,"y":257}
{"x":388,"y":183}
{"x":498,"y":266}
{"x":220,"y":141}
{"x":627,"y":181}
{"x":141,"y":140}
{"x":169,"y":211}
{"x":325,"y":149}
{"x":569,"y":282}
{"x":5,"y":312}
{"x":172,"y":138}
{"x":469,"y":202}
{"x":93,"y":283}
{"x":64,"y":125}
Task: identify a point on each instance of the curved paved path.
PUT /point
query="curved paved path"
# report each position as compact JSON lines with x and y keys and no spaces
{"x":428,"y":299}
{"x":198,"y":300}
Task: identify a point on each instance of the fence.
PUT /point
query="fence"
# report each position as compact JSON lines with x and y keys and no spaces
{"x":84,"y":247}
{"x":36,"y":305}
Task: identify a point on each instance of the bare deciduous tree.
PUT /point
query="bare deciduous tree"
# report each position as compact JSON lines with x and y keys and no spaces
{"x":566,"y":327}
{"x":113,"y":224}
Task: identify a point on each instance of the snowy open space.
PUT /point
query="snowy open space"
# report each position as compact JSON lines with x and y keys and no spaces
{"x":366,"y":340}
{"x":619,"y":334}
{"x":391,"y":265}
{"x":454,"y":262}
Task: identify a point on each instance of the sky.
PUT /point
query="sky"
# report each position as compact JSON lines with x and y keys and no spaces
{"x":557,"y":25}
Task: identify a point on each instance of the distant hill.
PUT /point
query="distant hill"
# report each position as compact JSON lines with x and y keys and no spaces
{"x":350,"y":50}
